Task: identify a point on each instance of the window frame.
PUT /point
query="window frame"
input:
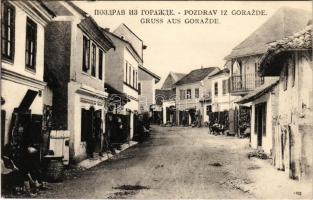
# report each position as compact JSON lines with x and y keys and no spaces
{"x":100,"y":64}
{"x":86,"y":54}
{"x":31,"y":53}
{"x":188,"y":96}
{"x":197,"y":93}
{"x":139,"y":88}
{"x":93,"y":59}
{"x":126,"y":72}
{"x":225,"y":87}
{"x":5,"y":7}
{"x":215,"y":88}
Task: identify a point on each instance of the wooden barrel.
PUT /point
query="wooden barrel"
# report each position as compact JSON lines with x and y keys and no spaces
{"x":54,"y":169}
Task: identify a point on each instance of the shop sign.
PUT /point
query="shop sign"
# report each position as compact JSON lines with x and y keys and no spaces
{"x":89,"y":101}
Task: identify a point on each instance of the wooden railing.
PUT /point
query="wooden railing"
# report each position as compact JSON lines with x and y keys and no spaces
{"x":245,"y":82}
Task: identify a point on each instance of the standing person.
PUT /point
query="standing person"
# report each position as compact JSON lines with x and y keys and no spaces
{"x":108,"y":135}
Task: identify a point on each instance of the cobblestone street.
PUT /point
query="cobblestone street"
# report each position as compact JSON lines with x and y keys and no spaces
{"x":181,"y":162}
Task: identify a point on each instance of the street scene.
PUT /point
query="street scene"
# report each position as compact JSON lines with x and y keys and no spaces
{"x":127,"y":100}
{"x":178,"y":162}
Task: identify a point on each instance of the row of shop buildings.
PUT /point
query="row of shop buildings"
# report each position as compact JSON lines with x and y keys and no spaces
{"x":61,"y":71}
{"x":265,"y":87}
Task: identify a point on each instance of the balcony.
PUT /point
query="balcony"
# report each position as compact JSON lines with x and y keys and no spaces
{"x":244,"y":83}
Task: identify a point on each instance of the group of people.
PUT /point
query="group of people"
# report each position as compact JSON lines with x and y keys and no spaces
{"x":21,"y":171}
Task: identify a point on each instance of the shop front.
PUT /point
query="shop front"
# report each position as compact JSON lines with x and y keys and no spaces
{"x":86,"y":117}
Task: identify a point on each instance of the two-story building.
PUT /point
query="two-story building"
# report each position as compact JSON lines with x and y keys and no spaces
{"x":189,"y":91}
{"x":291,"y":60}
{"x":244,"y":57}
{"x":146,"y":89}
{"x":22,"y":67}
{"x":222,"y":102}
{"x":75,"y":54}
{"x":122,"y":69}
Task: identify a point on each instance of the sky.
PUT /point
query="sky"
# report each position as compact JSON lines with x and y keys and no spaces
{"x":184,"y":47}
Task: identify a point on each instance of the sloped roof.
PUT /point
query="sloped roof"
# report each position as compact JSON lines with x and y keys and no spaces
{"x":90,"y":26}
{"x":301,"y":40}
{"x":258,"y":92}
{"x":196,"y":75}
{"x":161,"y":95}
{"x":177,"y":76}
{"x":285,"y":22}
{"x":110,"y":34}
{"x":223,"y":71}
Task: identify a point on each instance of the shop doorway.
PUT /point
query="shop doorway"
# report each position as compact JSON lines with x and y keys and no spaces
{"x":91,"y":130}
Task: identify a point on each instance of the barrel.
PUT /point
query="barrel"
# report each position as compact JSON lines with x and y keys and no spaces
{"x":54,"y":169}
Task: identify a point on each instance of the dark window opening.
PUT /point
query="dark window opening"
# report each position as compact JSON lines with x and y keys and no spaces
{"x":197,"y":93}
{"x":126,"y":71}
{"x":100,"y":64}
{"x":31,"y":44}
{"x":188,"y":93}
{"x":7,"y":31}
{"x":139,"y":88}
{"x":86,"y":54}
{"x":93,"y":60}
{"x":215,"y":89}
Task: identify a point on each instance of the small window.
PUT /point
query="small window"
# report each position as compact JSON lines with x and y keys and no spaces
{"x":188,"y":94}
{"x":126,"y":71}
{"x":139,"y":88}
{"x":8,"y":31}
{"x":100,"y":69}
{"x":197,"y":93}
{"x":182,"y":94}
{"x":31,"y":44}
{"x":134,"y":75}
{"x":86,"y":54}
{"x":225,"y":87}
{"x":215,"y":89}
{"x":93,"y":60}
{"x":130,"y":74}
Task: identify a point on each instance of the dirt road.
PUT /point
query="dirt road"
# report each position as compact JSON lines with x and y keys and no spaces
{"x":181,"y":163}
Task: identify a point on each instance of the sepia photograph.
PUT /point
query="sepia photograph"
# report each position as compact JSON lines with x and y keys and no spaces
{"x":159,"y":99}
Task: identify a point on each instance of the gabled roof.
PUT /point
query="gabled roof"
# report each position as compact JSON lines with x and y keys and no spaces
{"x":301,"y":40}
{"x":87,"y":23}
{"x":90,"y":26}
{"x":285,"y":22}
{"x":177,"y":76}
{"x":196,"y":75}
{"x":110,"y":34}
{"x":223,"y":71}
{"x":164,"y":95}
{"x":171,"y":79}
{"x":258,"y":92}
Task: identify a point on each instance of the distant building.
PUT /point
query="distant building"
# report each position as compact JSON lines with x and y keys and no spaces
{"x":189,"y":91}
{"x":121,"y":73}
{"x":146,"y":89}
{"x":171,"y":79}
{"x":222,"y":102}
{"x":291,"y":60}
